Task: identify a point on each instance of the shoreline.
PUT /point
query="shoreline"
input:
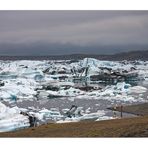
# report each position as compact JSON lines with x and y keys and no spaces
{"x":137,"y":109}
{"x":125,"y":127}
{"x":121,"y":127}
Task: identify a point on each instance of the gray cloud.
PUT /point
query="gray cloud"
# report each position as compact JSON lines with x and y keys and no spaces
{"x":76,"y":31}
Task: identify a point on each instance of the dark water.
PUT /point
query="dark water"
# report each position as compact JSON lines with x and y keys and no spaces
{"x":94,"y":105}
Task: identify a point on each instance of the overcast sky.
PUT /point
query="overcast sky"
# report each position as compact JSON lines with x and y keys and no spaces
{"x":67,"y":32}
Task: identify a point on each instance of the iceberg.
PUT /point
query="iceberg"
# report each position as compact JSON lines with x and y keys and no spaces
{"x":11,"y":119}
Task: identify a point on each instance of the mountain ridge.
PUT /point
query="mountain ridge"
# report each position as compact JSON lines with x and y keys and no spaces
{"x":132,"y":55}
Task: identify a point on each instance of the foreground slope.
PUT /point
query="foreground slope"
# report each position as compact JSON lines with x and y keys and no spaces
{"x":129,"y":127}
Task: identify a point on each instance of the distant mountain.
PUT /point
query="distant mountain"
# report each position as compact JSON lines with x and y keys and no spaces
{"x":132,"y":55}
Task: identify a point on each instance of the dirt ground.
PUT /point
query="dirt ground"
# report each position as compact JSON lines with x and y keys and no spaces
{"x":138,"y":109}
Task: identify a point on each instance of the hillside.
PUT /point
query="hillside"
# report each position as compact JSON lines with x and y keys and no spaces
{"x":133,"y":55}
{"x":129,"y":127}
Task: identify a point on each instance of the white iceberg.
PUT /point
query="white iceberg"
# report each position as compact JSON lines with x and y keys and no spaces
{"x":11,"y":119}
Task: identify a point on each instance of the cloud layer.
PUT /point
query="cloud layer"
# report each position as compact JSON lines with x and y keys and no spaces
{"x":76,"y":31}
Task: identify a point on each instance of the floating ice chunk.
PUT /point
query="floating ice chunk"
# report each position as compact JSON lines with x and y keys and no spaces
{"x":3,"y":108}
{"x":137,"y":89}
{"x":39,"y":116}
{"x":51,"y":114}
{"x":99,"y":113}
{"x":122,"y":86}
{"x":105,"y":118}
{"x":65,"y":110}
{"x":68,"y":120}
{"x":90,"y":116}
{"x":17,"y":89}
{"x":87,"y":110}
